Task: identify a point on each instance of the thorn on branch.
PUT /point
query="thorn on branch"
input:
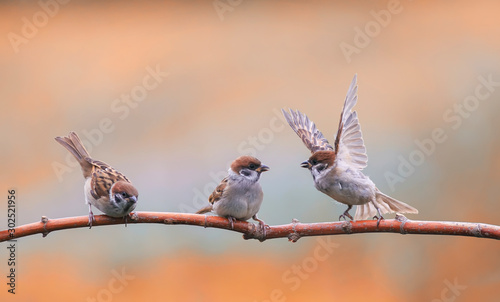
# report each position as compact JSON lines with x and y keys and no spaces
{"x":168,"y":221}
{"x":477,"y":231}
{"x":347,"y":227}
{"x":401,"y":218}
{"x":255,"y":232}
{"x":294,"y":237}
{"x":260,"y":233}
{"x":44,"y":220}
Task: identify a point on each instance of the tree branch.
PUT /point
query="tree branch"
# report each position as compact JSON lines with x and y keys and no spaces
{"x":293,"y":231}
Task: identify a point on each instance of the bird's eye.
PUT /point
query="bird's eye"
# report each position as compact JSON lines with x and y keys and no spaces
{"x":252,"y":166}
{"x":124,"y":194}
{"x":314,"y":162}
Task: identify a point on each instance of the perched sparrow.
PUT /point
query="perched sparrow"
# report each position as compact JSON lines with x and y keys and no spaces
{"x":105,"y":188}
{"x":239,"y":195}
{"x":337,"y":171}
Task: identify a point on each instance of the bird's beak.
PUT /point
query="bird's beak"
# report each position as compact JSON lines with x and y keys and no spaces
{"x":306,"y":164}
{"x":262,"y":168}
{"x":133,"y":199}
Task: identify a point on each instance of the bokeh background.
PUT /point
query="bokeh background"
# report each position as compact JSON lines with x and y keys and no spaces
{"x":223,"y":71}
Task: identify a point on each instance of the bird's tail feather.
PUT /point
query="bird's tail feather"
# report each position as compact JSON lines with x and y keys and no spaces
{"x":386,"y":204}
{"x":365,"y":211}
{"x":74,"y":145}
{"x":206,"y":209}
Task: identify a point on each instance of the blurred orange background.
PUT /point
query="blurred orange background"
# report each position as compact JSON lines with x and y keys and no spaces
{"x":183,"y":88}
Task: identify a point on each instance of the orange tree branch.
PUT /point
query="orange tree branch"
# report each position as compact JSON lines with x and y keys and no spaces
{"x":293,"y":231}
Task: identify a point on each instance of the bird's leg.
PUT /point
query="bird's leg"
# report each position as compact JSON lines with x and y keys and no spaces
{"x":231,"y":220}
{"x":126,"y":216}
{"x":346,"y":214}
{"x":91,"y":216}
{"x":262,"y":225}
{"x":379,"y":217}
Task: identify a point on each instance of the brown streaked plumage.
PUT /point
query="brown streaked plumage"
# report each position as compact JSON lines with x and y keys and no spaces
{"x":239,"y":195}
{"x":217,"y":193}
{"x":105,"y":188}
{"x":337,"y":171}
{"x":214,"y":197}
{"x":307,"y":131}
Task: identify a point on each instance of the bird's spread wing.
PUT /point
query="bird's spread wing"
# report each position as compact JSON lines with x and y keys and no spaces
{"x":217,"y":193}
{"x":103,"y":178}
{"x":349,"y":145}
{"x":307,"y":131}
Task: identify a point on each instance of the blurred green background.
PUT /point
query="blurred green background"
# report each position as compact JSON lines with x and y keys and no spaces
{"x":170,"y":92}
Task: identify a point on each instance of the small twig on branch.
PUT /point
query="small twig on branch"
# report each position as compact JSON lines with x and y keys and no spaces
{"x":293,"y":231}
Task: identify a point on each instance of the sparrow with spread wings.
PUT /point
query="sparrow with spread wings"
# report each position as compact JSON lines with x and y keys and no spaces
{"x":239,"y":195}
{"x":105,"y":188}
{"x":337,"y":170}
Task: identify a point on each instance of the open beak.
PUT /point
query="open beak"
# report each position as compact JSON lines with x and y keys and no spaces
{"x":262,"y":168}
{"x":306,"y":164}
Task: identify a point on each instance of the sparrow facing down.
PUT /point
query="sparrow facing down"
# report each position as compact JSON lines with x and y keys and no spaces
{"x":105,"y":188}
{"x":239,"y":195}
{"x":337,"y":170}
